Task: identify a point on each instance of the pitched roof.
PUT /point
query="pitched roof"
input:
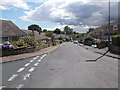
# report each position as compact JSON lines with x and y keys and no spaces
{"x":37,"y":36}
{"x":8,"y":29}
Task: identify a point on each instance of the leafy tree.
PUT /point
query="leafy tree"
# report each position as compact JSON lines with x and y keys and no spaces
{"x":35,"y":27}
{"x":44,"y":30}
{"x":90,"y":30}
{"x":57,"y":31}
{"x":68,"y":30}
{"x":49,"y":34}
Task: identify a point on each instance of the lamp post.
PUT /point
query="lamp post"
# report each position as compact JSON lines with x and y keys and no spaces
{"x":109,"y":28}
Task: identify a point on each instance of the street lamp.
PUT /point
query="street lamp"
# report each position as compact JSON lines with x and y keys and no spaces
{"x":109,"y":28}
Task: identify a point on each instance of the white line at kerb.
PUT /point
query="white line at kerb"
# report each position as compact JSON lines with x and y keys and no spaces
{"x":32,"y":69}
{"x":21,"y":69}
{"x":12,"y":77}
{"x":35,"y":57}
{"x":31,"y":60}
{"x":43,"y":56}
{"x":27,"y":64}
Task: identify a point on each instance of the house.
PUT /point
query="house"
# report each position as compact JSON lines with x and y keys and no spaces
{"x":9,"y":31}
{"x":102,"y":32}
{"x":59,"y":36}
{"x":38,"y":36}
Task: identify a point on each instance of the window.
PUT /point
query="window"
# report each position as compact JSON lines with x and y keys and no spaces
{"x":115,"y":27}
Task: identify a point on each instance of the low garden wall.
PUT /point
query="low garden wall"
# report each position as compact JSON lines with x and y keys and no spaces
{"x":115,"y":49}
{"x":20,"y":50}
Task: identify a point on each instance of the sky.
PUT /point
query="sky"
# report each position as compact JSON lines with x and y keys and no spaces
{"x":50,"y":14}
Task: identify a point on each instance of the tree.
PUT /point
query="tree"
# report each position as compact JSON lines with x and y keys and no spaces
{"x":44,"y":30}
{"x":57,"y":31}
{"x":49,"y":34}
{"x":68,"y":30}
{"x":90,"y":30}
{"x":35,"y":27}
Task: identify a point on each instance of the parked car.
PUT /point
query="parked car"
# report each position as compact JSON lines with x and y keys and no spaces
{"x":7,"y":45}
{"x":75,"y":41}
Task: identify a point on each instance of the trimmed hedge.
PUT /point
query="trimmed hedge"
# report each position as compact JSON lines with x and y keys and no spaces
{"x":116,"y":40}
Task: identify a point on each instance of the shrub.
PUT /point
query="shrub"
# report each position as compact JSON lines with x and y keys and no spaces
{"x":88,"y":38}
{"x":116,"y":40}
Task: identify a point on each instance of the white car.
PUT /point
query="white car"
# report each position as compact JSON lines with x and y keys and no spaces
{"x":75,"y":41}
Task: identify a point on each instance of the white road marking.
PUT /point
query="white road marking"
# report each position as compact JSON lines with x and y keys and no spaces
{"x":26,"y":76}
{"x":35,"y":57}
{"x":20,"y":86}
{"x":1,"y":87}
{"x":31,"y":60}
{"x":36,"y":64}
{"x":32,"y":69}
{"x":21,"y":69}
{"x":27,"y":64}
{"x":43,"y":56}
{"x":39,"y":61}
{"x":12,"y":77}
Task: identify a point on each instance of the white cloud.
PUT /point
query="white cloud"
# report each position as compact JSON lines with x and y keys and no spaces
{"x":3,"y":8}
{"x":14,"y":3}
{"x":70,"y":12}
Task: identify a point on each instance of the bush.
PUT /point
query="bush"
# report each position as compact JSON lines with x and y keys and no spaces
{"x":100,"y":42}
{"x":116,"y":40}
{"x":88,"y":38}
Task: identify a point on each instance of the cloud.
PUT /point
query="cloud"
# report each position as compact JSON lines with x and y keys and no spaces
{"x":72,"y":12}
{"x":7,"y":4}
{"x":3,"y":8}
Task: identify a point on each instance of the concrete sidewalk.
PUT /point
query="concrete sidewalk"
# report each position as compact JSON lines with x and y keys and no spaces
{"x":27,"y":55}
{"x":101,"y":51}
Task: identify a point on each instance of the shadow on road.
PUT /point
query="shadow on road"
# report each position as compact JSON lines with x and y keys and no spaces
{"x":98,"y":57}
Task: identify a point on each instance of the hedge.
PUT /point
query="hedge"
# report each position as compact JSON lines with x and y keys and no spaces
{"x":116,"y":40}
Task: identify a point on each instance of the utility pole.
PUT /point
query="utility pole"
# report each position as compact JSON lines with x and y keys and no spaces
{"x":109,"y":28}
{"x":118,"y":26}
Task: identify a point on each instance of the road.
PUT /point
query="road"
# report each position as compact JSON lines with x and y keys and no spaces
{"x":65,"y":67}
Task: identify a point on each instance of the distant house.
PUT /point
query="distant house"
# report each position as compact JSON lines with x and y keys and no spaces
{"x":103,"y":31}
{"x":9,"y":31}
{"x":38,"y":36}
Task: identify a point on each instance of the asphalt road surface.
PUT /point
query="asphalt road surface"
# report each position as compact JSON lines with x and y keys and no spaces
{"x":65,"y":67}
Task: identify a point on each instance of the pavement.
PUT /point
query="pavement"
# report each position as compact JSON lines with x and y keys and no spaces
{"x":101,"y":51}
{"x":28,"y":55}
{"x":69,"y":66}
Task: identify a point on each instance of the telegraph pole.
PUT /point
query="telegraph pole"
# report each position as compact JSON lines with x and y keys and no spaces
{"x":118,"y":19}
{"x":109,"y":28}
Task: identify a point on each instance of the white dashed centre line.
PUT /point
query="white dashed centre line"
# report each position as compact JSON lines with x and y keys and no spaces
{"x":12,"y":77}
{"x":36,"y":64}
{"x":31,"y":60}
{"x":21,"y":69}
{"x":27,"y":64}
{"x":26,"y":76}
{"x":32,"y":69}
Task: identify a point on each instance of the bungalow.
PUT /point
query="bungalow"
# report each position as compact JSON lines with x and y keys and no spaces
{"x":38,"y":36}
{"x":9,"y":31}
